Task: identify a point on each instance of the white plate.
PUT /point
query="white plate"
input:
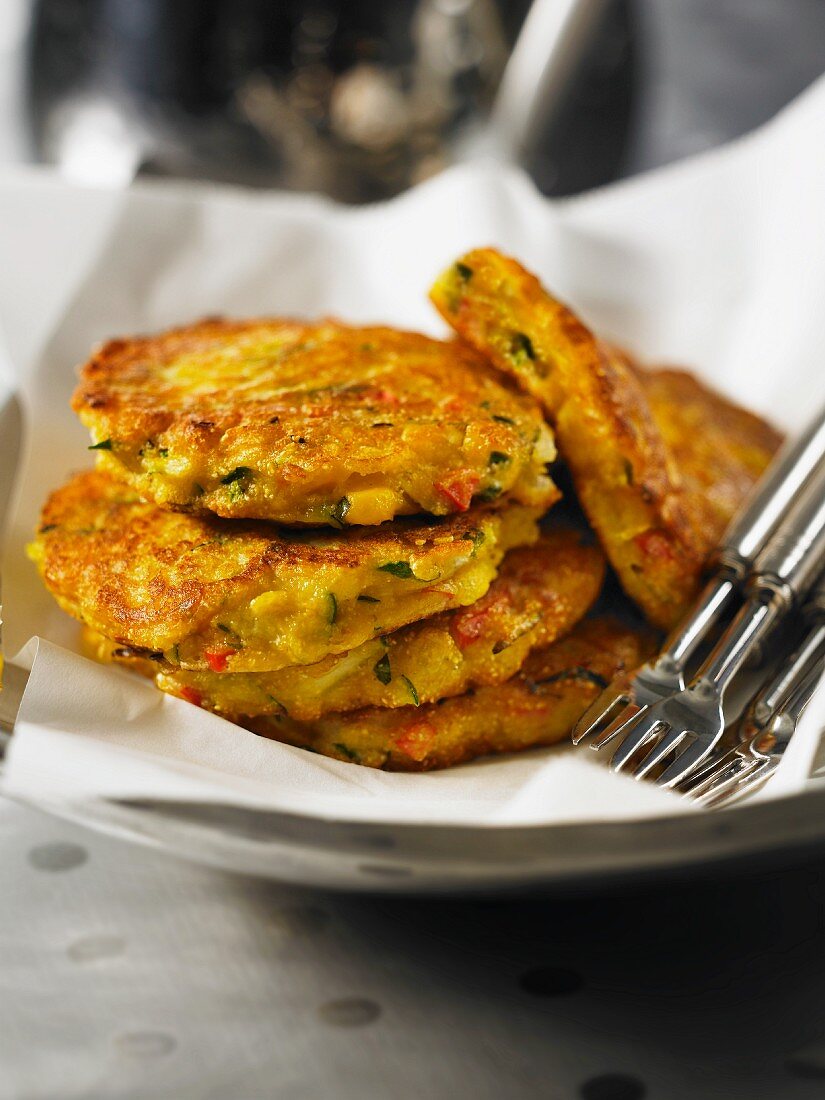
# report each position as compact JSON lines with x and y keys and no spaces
{"x":700,"y":264}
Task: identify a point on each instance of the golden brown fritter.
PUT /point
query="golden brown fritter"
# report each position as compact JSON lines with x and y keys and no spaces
{"x":540,"y":593}
{"x":626,"y":443}
{"x":246,"y":597}
{"x":719,"y":450}
{"x":311,"y":423}
{"x":538,"y":706}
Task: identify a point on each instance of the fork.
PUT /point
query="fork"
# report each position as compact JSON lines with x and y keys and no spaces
{"x":662,"y":677}
{"x":767,"y":727}
{"x":689,"y":724}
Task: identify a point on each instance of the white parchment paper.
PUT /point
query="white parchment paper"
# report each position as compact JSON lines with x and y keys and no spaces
{"x":717,"y":263}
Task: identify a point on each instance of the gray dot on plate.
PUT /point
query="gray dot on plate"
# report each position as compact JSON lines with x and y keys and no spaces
{"x":349,"y":1012}
{"x":299,"y":920}
{"x":145,"y":1044}
{"x":612,"y":1086}
{"x":808,"y":1062}
{"x":550,"y":981}
{"x":58,"y":856}
{"x":91,"y":948}
{"x":379,"y":841}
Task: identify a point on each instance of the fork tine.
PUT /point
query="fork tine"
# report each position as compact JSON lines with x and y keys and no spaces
{"x":639,"y":732}
{"x":698,"y":780}
{"x":660,"y":752}
{"x":755,"y":776}
{"x":727,"y":780}
{"x":612,"y":731}
{"x":731,"y":767}
{"x":601,"y":712}
{"x":684,"y":763}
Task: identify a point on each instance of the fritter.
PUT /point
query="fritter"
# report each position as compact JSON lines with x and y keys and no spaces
{"x":637,"y":472}
{"x":248,"y":597}
{"x":538,"y":706}
{"x":311,"y":423}
{"x":540,"y":593}
{"x":719,"y":450}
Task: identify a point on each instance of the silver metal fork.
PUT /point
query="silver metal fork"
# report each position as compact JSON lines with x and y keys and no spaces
{"x":689,"y":724}
{"x":634,"y":692}
{"x":766,"y":729}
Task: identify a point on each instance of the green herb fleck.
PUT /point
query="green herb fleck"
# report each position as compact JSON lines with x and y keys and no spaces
{"x":492,"y":492}
{"x":103,"y":445}
{"x":464,"y":272}
{"x":338,"y":512}
{"x":382,"y":670}
{"x":198,"y":489}
{"x":345,"y":750}
{"x":499,"y":458}
{"x":383,"y":424}
{"x":579,"y":673}
{"x":150,"y":445}
{"x":333,"y":607}
{"x":238,"y":482}
{"x":628,"y":471}
{"x":278,"y":704}
{"x":368,"y":599}
{"x":401,"y":569}
{"x":412,"y":690}
{"x":521,"y":347}
{"x":175,"y":654}
{"x":240,"y":473}
{"x":503,"y":419}
{"x":232,"y":635}
{"x":477,"y":537}
{"x":47,"y":527}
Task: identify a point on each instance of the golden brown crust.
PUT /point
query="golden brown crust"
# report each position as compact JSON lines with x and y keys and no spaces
{"x":250,"y":596}
{"x":719,"y":449}
{"x":540,"y":593}
{"x":303,"y":423}
{"x":628,"y":479}
{"x":539,"y":706}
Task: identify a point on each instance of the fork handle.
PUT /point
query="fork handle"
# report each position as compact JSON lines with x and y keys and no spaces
{"x":795,"y":706}
{"x":792,"y":468}
{"x":773,"y":736}
{"x":687,"y":636}
{"x":783,"y":573}
{"x":750,"y":627}
{"x":782,"y":687}
{"x":795,"y":554}
{"x":796,"y":461}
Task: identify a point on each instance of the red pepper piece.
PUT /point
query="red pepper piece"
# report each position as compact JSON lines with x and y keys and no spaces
{"x":217,"y":658}
{"x":459,"y":489}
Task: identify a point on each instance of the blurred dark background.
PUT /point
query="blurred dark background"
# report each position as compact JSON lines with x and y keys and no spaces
{"x":363,"y":98}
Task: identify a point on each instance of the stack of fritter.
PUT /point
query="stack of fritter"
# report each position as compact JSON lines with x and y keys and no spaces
{"x":338,"y":537}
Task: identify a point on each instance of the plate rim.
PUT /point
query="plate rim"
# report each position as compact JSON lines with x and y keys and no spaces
{"x":452,"y":858}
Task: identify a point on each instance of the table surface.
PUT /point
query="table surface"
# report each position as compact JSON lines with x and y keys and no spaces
{"x":125,"y":973}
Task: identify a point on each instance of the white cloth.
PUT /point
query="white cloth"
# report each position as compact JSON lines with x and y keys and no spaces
{"x":716,"y":263}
